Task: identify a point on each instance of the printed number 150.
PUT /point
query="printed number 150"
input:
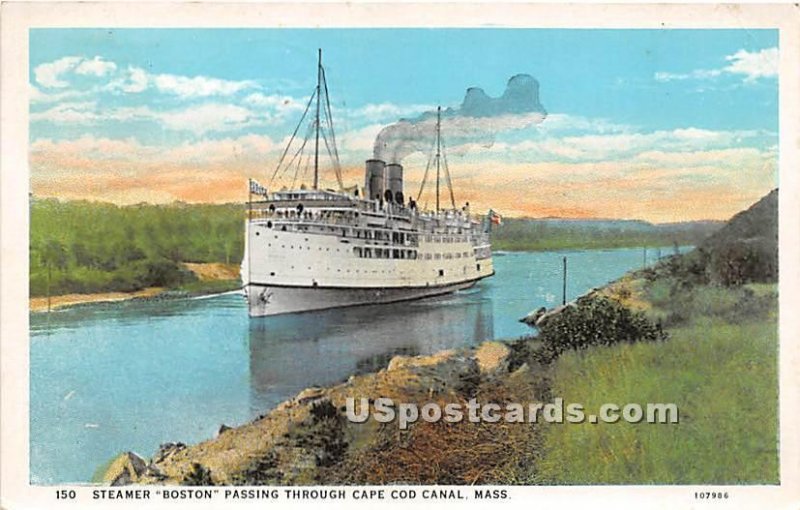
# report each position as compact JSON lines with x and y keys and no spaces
{"x":65,"y":494}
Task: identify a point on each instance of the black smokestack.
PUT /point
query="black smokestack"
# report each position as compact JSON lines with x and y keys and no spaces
{"x":478,"y":120}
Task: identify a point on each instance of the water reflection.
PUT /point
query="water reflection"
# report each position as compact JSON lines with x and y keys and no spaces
{"x":290,"y":353}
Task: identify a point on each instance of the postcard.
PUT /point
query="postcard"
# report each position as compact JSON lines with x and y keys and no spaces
{"x":392,"y":254}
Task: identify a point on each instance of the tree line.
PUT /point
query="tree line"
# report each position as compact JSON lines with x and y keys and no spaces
{"x":84,"y":247}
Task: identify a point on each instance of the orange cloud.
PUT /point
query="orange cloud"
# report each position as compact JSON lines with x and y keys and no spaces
{"x":654,"y":186}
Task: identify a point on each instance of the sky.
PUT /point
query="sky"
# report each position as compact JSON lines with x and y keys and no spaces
{"x":660,"y":125}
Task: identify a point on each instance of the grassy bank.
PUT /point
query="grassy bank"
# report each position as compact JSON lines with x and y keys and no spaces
{"x":719,"y":367}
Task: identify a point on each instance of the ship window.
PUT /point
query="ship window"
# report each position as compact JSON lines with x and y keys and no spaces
{"x":258,"y":233}
{"x":272,"y":274}
{"x":441,"y":272}
{"x":396,"y":254}
{"x":427,"y":256}
{"x":479,"y":267}
{"x":438,"y":256}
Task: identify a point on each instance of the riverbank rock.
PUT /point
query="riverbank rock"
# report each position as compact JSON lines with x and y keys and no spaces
{"x":127,"y":468}
{"x":492,"y":358}
{"x":309,"y":395}
{"x":533,"y":318}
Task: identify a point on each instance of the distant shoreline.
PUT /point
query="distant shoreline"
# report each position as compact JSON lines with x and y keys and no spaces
{"x":214,"y":278}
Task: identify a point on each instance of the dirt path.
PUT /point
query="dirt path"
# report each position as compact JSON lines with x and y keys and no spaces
{"x":214,"y":271}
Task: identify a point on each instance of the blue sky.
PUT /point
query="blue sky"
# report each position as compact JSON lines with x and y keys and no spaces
{"x":612,"y":96}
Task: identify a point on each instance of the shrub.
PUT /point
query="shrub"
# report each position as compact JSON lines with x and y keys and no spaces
{"x":744,"y":262}
{"x":198,"y":476}
{"x":595,"y":320}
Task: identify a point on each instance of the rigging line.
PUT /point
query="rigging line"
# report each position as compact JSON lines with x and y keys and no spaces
{"x":447,"y":176}
{"x":337,"y":172}
{"x":300,"y":150}
{"x":328,"y":148}
{"x":297,"y":169}
{"x":296,"y":129}
{"x":305,"y":170}
{"x":337,"y":165}
{"x":425,"y":175}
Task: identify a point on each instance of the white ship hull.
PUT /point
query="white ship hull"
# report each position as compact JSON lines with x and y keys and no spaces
{"x":346,"y":254}
{"x":265,"y":300}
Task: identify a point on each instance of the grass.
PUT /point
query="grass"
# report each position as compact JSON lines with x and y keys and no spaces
{"x":719,"y":367}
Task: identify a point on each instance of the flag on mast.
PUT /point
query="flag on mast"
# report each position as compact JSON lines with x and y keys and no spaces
{"x":256,"y":188}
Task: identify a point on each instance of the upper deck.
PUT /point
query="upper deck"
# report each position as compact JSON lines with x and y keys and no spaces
{"x":326,"y":208}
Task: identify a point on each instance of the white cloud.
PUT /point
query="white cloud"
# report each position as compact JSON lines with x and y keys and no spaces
{"x":132,"y":79}
{"x":209,"y":117}
{"x":360,"y":141}
{"x":199,"y":86}
{"x":37,"y":96}
{"x":199,"y":120}
{"x":391,"y":111}
{"x":88,"y":147}
{"x":68,"y":113}
{"x":275,"y":102}
{"x":49,"y":74}
{"x":562,"y":122}
{"x":753,"y":65}
{"x":96,"y":67}
{"x":611,"y":147}
{"x":697,"y":74}
{"x":250,"y":147}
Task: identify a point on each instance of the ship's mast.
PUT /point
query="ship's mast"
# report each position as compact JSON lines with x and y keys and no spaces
{"x":316,"y":122}
{"x":438,"y":150}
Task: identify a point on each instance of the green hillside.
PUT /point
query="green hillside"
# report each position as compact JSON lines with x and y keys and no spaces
{"x":84,"y":247}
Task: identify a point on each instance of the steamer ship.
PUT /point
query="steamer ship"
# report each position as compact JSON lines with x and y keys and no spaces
{"x":313,"y":249}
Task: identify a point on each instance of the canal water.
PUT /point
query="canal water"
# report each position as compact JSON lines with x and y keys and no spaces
{"x":130,"y":376}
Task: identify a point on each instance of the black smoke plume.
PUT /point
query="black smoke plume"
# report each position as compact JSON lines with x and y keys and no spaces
{"x":476,"y":122}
